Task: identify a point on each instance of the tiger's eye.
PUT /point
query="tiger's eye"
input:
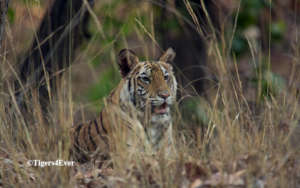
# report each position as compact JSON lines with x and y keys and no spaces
{"x":145,"y":79}
{"x":166,"y":77}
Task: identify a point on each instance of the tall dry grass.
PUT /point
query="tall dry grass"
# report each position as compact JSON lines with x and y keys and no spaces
{"x":242,"y":145}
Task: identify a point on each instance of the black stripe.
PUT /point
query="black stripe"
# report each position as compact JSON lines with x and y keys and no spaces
{"x":78,"y":154}
{"x":101,"y":121}
{"x":129,"y":85}
{"x":77,"y":147}
{"x":90,"y":136}
{"x":98,"y":132}
{"x":77,"y":130}
{"x":86,"y":143}
{"x":97,"y":128}
{"x":105,"y":131}
{"x":129,"y":90}
{"x":133,"y":97}
{"x":140,"y":90}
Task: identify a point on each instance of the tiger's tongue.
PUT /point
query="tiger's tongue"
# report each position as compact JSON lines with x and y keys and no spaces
{"x":161,"y":109}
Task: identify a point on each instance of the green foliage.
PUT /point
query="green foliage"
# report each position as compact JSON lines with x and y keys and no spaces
{"x":10,"y":15}
{"x":249,"y":15}
{"x":241,"y":146}
{"x":239,"y":44}
{"x":107,"y":81}
{"x":277,"y":30}
{"x":270,"y":83}
{"x":114,"y":28}
{"x":192,"y":110}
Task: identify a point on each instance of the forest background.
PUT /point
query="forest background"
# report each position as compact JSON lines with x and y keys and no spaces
{"x":238,"y":104}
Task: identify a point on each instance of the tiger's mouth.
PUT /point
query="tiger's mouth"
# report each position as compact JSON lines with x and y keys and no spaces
{"x":161,"y":109}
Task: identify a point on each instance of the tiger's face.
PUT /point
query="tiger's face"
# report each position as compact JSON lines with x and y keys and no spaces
{"x":155,"y":87}
{"x":150,"y":85}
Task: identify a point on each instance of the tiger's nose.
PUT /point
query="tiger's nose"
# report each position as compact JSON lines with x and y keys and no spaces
{"x":164,"y":94}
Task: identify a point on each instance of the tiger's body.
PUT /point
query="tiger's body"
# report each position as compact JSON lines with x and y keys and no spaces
{"x":140,"y":104}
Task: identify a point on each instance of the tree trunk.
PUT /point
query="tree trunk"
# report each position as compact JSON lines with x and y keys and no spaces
{"x":188,"y":42}
{"x":3,"y":11}
{"x":61,"y":32}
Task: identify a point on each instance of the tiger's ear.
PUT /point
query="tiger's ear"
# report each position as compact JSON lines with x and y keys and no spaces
{"x":168,"y":56}
{"x":127,"y":60}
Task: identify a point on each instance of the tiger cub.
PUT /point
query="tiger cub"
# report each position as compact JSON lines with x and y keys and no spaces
{"x":140,"y":105}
